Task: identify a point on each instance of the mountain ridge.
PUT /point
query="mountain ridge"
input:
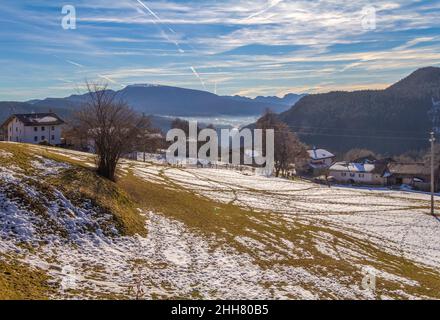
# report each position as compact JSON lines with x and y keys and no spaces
{"x":287,"y":100}
{"x":163,"y":100}
{"x":389,"y":121}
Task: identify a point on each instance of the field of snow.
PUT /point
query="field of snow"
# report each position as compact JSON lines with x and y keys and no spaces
{"x":291,"y":239}
{"x":398,"y":221}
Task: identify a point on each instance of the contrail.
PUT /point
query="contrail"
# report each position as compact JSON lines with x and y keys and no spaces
{"x":271,"y":4}
{"x":150,"y":11}
{"x":162,"y":23}
{"x":75,"y":63}
{"x":198,"y":76}
{"x":65,"y":80}
{"x":159,"y":22}
{"x":110,"y":80}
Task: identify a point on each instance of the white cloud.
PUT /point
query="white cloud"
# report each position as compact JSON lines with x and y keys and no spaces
{"x":201,"y":32}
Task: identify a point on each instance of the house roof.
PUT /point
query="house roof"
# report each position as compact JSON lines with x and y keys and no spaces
{"x":376,"y":168}
{"x":366,"y":159}
{"x":36,"y":119}
{"x":409,"y":168}
{"x":353,"y":167}
{"x":320,"y":154}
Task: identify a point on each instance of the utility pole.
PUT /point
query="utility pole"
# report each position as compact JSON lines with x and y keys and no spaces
{"x":432,"y":140}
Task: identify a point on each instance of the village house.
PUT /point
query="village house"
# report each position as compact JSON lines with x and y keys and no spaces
{"x":2,"y":134}
{"x":319,"y":160}
{"x":415,"y":175}
{"x":33,"y":128}
{"x":360,"y":173}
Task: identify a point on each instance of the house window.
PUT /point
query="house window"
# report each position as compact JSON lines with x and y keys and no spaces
{"x":53,"y":128}
{"x":43,"y":128}
{"x":35,"y":128}
{"x":35,"y":138}
{"x":361,"y":175}
{"x":352,"y":175}
{"x":43,"y":138}
{"x":53,"y":137}
{"x":343,"y":174}
{"x":16,"y":129}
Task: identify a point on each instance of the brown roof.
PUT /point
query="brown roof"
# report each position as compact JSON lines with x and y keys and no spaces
{"x":409,"y":168}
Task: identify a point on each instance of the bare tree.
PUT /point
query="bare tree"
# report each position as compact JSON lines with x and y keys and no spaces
{"x":288,"y":148}
{"x":74,"y":136}
{"x":150,"y":139}
{"x":356,"y":154}
{"x":111,"y":126}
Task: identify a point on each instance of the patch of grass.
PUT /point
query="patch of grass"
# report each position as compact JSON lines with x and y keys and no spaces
{"x":78,"y":183}
{"x":21,"y":282}
{"x":21,"y":157}
{"x":195,"y":211}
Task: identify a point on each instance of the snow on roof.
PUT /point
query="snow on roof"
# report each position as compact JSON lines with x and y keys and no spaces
{"x":32,"y":119}
{"x":46,"y":119}
{"x":319,"y":154}
{"x":353,"y":167}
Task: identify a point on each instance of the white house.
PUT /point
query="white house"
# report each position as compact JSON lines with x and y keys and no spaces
{"x":360,"y":173}
{"x":320,"y":158}
{"x":33,"y":128}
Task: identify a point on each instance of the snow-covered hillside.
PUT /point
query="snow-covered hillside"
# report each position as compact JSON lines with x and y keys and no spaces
{"x":209,"y":233}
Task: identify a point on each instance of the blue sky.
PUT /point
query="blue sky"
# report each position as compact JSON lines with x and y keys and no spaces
{"x":246,"y":47}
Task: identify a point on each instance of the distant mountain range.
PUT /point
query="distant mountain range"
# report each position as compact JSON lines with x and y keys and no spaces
{"x":277,"y":104}
{"x":390,"y":121}
{"x":174,"y":101}
{"x":162,"y":101}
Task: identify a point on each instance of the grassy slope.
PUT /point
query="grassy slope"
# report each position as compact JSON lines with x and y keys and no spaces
{"x":19,"y":281}
{"x":80,"y":182}
{"x":226,"y":222}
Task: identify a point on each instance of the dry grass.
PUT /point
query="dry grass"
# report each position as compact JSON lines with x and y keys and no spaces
{"x":78,"y":183}
{"x":21,"y":282}
{"x":226,"y":222}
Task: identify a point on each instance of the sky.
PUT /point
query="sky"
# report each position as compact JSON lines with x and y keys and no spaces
{"x":228,"y":47}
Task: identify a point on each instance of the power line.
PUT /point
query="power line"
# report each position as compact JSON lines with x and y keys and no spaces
{"x":359,"y":136}
{"x":357,"y":130}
